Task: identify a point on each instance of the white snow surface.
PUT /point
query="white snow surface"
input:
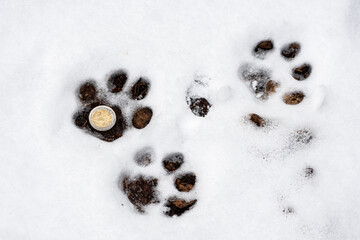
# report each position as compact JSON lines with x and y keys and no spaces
{"x":57,"y":182}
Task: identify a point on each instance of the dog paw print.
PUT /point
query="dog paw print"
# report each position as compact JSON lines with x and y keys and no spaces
{"x":260,"y":81}
{"x":141,"y":189}
{"x":101,"y":113}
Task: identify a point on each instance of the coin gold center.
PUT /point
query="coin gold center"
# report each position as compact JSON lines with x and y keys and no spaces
{"x":102,"y":118}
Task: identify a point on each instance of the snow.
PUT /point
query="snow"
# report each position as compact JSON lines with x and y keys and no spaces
{"x":57,"y":182}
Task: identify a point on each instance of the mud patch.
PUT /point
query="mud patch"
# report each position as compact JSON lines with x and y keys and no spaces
{"x":291,"y":50}
{"x":173,"y":162}
{"x":177,"y":206}
{"x":199,"y":106}
{"x":294,"y":98}
{"x":271,"y":87}
{"x":117,"y":81}
{"x":140,"y":89}
{"x":303,"y":72}
{"x":88,"y":92}
{"x":257,"y":120}
{"x":142,"y":117}
{"x":140,"y":191}
{"x":262,"y":48}
{"x":185,"y":182}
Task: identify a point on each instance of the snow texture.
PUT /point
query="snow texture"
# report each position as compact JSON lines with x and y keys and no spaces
{"x":57,"y":182}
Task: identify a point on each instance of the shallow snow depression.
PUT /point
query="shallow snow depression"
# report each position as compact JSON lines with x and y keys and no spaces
{"x":221,"y":141}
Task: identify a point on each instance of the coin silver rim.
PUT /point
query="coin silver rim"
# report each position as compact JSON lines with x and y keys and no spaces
{"x":105,"y":108}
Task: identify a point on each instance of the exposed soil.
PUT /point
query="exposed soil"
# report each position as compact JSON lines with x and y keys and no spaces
{"x":294,"y":98}
{"x":271,"y":87}
{"x":117,"y":81}
{"x":81,"y":120}
{"x":263,"y":48}
{"x":173,"y":161}
{"x":140,"y":191}
{"x":185,"y":182}
{"x":142,"y":117}
{"x":291,"y":50}
{"x":140,"y":89}
{"x":199,"y":106}
{"x":144,"y":157}
{"x":301,"y":73}
{"x":177,"y":206}
{"x":88,"y":92}
{"x":257,"y":120}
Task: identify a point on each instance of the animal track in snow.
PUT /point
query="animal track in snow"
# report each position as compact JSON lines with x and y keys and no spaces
{"x":264,"y":86}
{"x":260,"y":81}
{"x":100,"y":107}
{"x":197,"y":96}
{"x":141,"y":189}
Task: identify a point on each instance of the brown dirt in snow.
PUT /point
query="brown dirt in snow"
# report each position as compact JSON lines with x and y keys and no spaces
{"x":185,"y":182}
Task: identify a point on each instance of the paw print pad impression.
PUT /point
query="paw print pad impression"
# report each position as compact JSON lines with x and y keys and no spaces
{"x":260,"y":81}
{"x":101,"y":116}
{"x":141,"y":190}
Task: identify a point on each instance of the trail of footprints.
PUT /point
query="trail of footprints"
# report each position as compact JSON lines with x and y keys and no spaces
{"x":260,"y":82}
{"x":141,"y":190}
